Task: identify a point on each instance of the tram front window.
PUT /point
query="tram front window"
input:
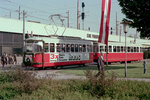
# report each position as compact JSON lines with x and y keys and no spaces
{"x":34,"y":46}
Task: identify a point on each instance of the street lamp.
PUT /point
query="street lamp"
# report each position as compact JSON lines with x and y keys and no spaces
{"x":125,"y":28}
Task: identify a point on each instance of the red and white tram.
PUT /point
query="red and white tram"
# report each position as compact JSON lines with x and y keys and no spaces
{"x":60,"y":51}
{"x":57,"y":51}
{"x":116,"y":52}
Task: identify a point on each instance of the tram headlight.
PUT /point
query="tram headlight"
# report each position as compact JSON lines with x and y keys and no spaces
{"x":28,"y":60}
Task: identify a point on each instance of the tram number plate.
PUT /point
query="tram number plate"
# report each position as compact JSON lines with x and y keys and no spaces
{"x":74,"y":57}
{"x":28,"y":57}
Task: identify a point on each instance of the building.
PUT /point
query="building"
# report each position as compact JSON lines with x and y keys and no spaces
{"x":11,"y":34}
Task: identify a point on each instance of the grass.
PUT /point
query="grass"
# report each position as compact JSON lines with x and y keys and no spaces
{"x":20,"y":85}
{"x":134,"y":70}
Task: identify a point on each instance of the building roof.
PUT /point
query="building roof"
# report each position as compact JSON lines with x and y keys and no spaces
{"x":16,"y":26}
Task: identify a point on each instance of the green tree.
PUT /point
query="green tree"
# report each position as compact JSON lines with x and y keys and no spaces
{"x":138,"y":12}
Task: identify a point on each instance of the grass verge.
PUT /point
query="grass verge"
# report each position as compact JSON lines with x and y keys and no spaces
{"x":134,"y":70}
{"x":20,"y":85}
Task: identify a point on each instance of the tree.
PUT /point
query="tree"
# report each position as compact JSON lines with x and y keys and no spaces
{"x":138,"y":12}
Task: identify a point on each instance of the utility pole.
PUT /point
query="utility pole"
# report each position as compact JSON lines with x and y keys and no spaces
{"x":24,"y":13}
{"x":77,"y":14}
{"x":135,"y":36}
{"x":67,"y":18}
{"x":83,"y":15}
{"x":120,"y":35}
{"x":19,"y":12}
{"x":10,"y":14}
{"x":116,"y":25}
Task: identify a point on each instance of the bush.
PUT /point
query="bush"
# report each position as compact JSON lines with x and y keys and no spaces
{"x":146,"y":54}
{"x":25,"y":80}
{"x":100,"y":85}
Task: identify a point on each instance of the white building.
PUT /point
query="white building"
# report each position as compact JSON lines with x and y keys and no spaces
{"x":11,"y":34}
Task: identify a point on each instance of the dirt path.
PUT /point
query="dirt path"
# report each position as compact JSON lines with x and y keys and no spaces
{"x":56,"y":75}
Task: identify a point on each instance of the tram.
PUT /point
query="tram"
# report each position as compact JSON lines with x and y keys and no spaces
{"x":116,"y":52}
{"x":57,"y":51}
{"x":53,"y":51}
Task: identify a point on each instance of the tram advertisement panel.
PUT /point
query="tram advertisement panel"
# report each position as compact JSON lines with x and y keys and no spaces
{"x":62,"y":57}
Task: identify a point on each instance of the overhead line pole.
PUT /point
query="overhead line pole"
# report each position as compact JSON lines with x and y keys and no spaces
{"x":68,"y":18}
{"x":120,"y":35}
{"x":10,"y":14}
{"x":78,"y":14}
{"x":19,"y":12}
{"x":23,"y":45}
{"x":116,"y":25}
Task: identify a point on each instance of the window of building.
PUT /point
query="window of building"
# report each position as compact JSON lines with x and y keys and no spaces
{"x":52,"y":47}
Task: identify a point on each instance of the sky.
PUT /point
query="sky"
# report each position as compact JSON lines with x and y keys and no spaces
{"x":41,"y":10}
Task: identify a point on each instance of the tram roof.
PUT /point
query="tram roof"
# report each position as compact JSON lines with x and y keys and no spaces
{"x":60,"y":39}
{"x":16,"y":26}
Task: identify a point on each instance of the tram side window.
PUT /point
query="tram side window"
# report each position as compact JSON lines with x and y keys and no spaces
{"x":118,"y":48}
{"x":134,"y":49}
{"x":115,"y":50}
{"x":129,"y":49}
{"x":106,"y":48}
{"x":46,"y":47}
{"x":63,"y":48}
{"x":37,"y":48}
{"x":58,"y":47}
{"x":80,"y":48}
{"x":95,"y":48}
{"x":76,"y":48}
{"x":121,"y":48}
{"x":52,"y":47}
{"x":141,"y":49}
{"x":68,"y":48}
{"x":101,"y":48}
{"x":110,"y":48}
{"x":84,"y":48}
{"x":137,"y":49}
{"x":72,"y":47}
{"x":88,"y":48}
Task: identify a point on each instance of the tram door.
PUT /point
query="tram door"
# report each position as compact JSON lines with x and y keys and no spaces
{"x":95,"y":47}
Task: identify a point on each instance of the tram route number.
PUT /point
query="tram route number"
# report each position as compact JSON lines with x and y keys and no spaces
{"x":53,"y":56}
